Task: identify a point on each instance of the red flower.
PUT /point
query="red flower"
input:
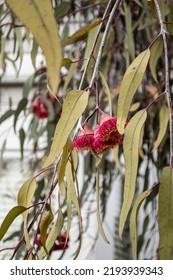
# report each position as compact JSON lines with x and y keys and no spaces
{"x":60,"y":242}
{"x":85,"y":139}
{"x":106,"y":135}
{"x":39,"y":108}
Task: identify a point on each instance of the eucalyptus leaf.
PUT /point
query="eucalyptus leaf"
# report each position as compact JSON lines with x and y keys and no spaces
{"x":131,"y":144}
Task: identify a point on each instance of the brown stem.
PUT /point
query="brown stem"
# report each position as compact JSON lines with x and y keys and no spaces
{"x":167,"y":83}
{"x":102,"y":44}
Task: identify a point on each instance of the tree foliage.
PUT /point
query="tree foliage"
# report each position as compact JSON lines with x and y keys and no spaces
{"x":103,"y":91}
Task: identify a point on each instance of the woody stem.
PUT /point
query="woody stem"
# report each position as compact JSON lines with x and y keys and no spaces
{"x":167,"y":83}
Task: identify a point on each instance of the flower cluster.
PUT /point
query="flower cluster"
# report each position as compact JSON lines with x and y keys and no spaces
{"x":60,"y":242}
{"x":39,"y":107}
{"x":104,"y":137}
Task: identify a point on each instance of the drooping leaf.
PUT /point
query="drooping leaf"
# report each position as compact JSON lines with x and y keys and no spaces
{"x":107,"y":90}
{"x":20,"y":47}
{"x":46,"y":220}
{"x":131,"y":156}
{"x":73,"y":107}
{"x":116,"y":159}
{"x":63,"y":163}
{"x":70,"y":73}
{"x":81,"y":33}
{"x":138,"y":2}
{"x":129,"y":28}
{"x":62,"y":10}
{"x":22,"y":140}
{"x":91,"y":37}
{"x":21,"y":106}
{"x":73,"y":198}
{"x":3,"y":149}
{"x":156,"y":51}
{"x":129,"y":85}
{"x":24,"y":199}
{"x":166,"y":214}
{"x":163,"y":124}
{"x":101,"y":230}
{"x":34,"y":53}
{"x":133,"y":221}
{"x":10,"y":217}
{"x":37,"y":15}
{"x":6,"y":115}
{"x":28,"y":85}
{"x":50,"y":108}
{"x":55,"y":230}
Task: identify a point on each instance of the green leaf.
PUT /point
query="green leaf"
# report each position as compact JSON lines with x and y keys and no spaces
{"x":72,"y":198}
{"x":163,"y":124}
{"x":135,"y":106}
{"x":166,"y":214}
{"x":34,"y":53}
{"x":73,"y":107}
{"x":50,"y":108}
{"x":133,"y":221}
{"x":62,"y":10}
{"x":22,"y":140}
{"x":54,"y":232}
{"x":66,"y":61}
{"x":107,"y":90}
{"x":101,"y":230}
{"x":129,"y":39}
{"x":62,"y":165}
{"x":28,"y":85}
{"x":3,"y":150}
{"x":80,"y":34}
{"x":91,"y":37}
{"x":131,"y":156}
{"x":70,"y":73}
{"x":46,"y":220}
{"x":138,"y":2}
{"x":156,"y":51}
{"x":21,"y":106}
{"x":37,"y":15}
{"x":6,"y":115}
{"x":129,"y":85}
{"x":26,"y":193}
{"x":20,"y":47}
{"x":24,"y":199}
{"x":10,"y":217}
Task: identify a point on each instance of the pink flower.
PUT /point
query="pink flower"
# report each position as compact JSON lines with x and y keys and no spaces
{"x":106,"y":135}
{"x":85,"y":139}
{"x":39,"y":108}
{"x":60,"y":243}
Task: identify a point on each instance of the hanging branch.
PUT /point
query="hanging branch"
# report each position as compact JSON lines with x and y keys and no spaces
{"x":102,"y":44}
{"x":95,"y":42}
{"x":100,"y":52}
{"x":167,"y":83}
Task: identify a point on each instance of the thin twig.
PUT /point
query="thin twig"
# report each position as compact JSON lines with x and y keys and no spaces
{"x":167,"y":83}
{"x":95,"y":42}
{"x":102,"y":44}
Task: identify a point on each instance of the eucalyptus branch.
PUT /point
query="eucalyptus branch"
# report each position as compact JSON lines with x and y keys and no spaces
{"x":102,"y":44}
{"x":95,"y":42}
{"x":96,"y":68}
{"x":167,"y":83}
